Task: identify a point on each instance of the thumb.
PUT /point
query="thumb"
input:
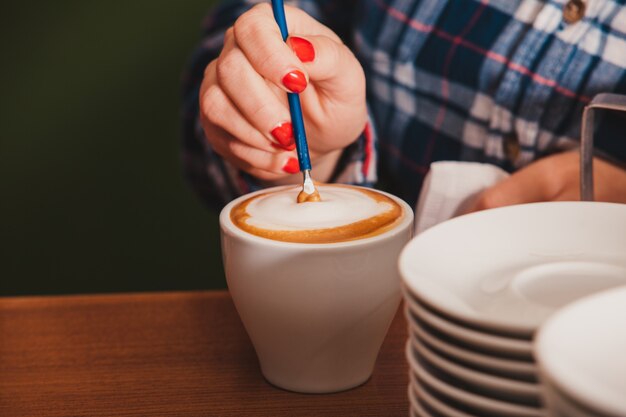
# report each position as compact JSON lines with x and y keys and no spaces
{"x":328,"y":62}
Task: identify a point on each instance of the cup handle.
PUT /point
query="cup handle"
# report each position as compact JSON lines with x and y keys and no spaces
{"x":602,"y":101}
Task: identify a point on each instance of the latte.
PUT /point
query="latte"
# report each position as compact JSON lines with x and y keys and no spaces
{"x":345,"y":213}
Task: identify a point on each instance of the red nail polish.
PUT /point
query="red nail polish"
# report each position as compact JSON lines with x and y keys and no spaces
{"x":291,"y":166}
{"x":283,"y":133}
{"x":295,"y":81}
{"x":304,"y":49}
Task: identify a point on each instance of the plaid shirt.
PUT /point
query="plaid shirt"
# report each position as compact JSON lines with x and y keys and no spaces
{"x":495,"y":81}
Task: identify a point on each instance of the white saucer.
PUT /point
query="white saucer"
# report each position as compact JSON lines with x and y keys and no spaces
{"x":495,"y":387}
{"x":560,"y":404}
{"x":489,"y":405}
{"x":500,"y":346}
{"x":581,"y":350}
{"x":515,"y":369}
{"x":422,"y":395}
{"x":508,"y":269}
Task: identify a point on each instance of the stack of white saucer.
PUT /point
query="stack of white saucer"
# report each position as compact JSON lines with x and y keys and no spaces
{"x":478,"y":287}
{"x":581,"y":352}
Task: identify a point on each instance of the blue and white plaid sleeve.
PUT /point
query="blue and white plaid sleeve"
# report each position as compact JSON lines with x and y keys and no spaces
{"x":502,"y":82}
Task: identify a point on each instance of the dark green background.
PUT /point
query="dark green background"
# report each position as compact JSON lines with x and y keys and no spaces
{"x":91,"y":193}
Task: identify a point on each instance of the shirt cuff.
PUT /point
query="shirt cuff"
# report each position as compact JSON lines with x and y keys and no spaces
{"x":357,"y":164}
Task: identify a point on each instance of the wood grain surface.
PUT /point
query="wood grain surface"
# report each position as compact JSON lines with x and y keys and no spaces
{"x":161,"y":354}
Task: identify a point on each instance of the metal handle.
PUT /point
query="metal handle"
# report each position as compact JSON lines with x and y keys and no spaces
{"x":602,"y":101}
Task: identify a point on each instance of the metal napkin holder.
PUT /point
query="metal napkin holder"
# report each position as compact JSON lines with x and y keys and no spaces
{"x":602,"y":101}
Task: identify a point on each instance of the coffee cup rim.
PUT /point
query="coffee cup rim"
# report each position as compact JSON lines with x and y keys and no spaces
{"x":227,"y":226}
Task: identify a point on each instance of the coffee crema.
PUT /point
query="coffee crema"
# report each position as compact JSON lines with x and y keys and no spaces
{"x":345,"y":213}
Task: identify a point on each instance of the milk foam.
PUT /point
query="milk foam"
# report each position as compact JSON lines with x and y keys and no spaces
{"x":340,"y":206}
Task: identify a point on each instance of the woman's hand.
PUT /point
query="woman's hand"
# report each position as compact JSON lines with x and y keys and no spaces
{"x":243,"y":101}
{"x":554,"y":178}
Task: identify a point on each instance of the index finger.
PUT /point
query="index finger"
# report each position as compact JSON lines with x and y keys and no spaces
{"x":258,"y":36}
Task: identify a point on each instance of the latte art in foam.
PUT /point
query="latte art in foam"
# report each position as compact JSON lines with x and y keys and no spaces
{"x":344,"y":213}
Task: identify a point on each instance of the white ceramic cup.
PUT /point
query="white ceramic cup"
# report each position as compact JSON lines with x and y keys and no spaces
{"x":317,"y":314}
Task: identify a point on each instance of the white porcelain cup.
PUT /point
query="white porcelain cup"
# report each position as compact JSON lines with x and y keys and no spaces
{"x":317,"y":314}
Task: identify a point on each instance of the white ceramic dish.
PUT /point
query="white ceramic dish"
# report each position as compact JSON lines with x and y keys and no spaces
{"x":582,"y":348}
{"x":560,"y":405}
{"x":508,"y":269}
{"x":423,"y":396}
{"x":496,"y":387}
{"x":501,"y":346}
{"x":478,"y":402}
{"x":523,"y":370}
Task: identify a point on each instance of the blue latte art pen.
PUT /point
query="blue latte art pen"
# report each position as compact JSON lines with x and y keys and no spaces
{"x":309,"y":193}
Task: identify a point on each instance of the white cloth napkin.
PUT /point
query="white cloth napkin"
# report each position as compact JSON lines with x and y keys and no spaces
{"x":449,"y":186}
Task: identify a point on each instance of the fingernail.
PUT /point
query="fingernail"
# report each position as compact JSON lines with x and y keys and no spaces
{"x":304,"y":49}
{"x":283,"y":133}
{"x":291,"y":166}
{"x":295,"y":81}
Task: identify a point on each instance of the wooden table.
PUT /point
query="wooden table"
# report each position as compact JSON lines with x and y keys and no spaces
{"x":165,"y":354}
